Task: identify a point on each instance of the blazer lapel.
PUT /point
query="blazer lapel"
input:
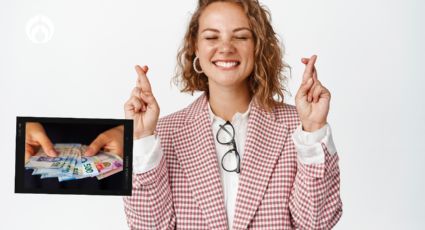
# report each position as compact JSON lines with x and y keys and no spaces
{"x":195,"y":149}
{"x":264,"y":143}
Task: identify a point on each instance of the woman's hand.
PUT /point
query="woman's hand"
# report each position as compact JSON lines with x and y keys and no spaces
{"x":36,"y":137}
{"x":142,"y":106}
{"x":312,"y":99}
{"x":112,"y":140}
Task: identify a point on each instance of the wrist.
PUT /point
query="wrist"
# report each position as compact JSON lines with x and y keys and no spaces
{"x":311,"y":127}
{"x":142,"y":135}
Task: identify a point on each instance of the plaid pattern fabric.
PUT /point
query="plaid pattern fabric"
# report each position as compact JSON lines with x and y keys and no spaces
{"x":275,"y":190}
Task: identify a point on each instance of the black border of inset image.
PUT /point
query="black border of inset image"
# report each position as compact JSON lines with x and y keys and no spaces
{"x":127,"y":159}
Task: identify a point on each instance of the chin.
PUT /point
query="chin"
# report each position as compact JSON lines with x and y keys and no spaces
{"x":226,"y":79}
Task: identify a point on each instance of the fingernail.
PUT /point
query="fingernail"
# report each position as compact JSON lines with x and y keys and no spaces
{"x":89,"y":151}
{"x":53,"y":152}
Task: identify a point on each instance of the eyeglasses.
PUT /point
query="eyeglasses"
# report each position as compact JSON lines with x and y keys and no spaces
{"x":231,"y":159}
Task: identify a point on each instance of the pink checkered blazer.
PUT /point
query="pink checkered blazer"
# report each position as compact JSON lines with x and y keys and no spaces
{"x":275,"y":190}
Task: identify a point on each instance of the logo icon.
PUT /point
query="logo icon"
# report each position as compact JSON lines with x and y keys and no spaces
{"x":40,"y":29}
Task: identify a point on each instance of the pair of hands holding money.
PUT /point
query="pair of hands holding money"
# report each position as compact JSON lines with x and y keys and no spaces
{"x":35,"y":137}
{"x":312,"y":102}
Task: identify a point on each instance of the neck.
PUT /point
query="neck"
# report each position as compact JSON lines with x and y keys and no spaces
{"x":225,"y":102}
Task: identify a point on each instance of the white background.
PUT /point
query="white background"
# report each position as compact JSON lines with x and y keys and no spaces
{"x":370,"y":56}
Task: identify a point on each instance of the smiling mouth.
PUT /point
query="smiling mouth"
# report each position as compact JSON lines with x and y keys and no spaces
{"x":226,"y":64}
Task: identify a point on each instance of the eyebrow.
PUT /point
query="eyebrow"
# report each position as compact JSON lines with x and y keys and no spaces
{"x":235,"y":30}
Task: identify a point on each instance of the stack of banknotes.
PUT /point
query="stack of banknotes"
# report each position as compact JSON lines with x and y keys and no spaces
{"x":71,"y":164}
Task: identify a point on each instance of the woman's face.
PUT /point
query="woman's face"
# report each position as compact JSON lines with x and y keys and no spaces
{"x":225,"y":45}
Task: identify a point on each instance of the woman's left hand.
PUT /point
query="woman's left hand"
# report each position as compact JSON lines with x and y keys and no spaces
{"x":312,"y":99}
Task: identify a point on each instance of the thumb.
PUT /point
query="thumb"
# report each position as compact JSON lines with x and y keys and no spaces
{"x":96,"y":145}
{"x":305,"y":87}
{"x":46,"y":145}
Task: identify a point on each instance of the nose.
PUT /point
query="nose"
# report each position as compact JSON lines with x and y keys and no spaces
{"x":226,"y":47}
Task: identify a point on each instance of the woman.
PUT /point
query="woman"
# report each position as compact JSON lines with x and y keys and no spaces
{"x":235,"y":158}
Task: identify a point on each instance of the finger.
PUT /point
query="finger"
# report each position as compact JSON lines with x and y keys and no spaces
{"x":149,"y":99}
{"x":315,"y":74}
{"x":27,"y":157}
{"x":317,"y":91}
{"x":29,"y":149}
{"x":142,"y":81}
{"x":305,"y":60}
{"x":134,"y":104}
{"x":29,"y":152}
{"x":136,"y":92}
{"x":137,"y":104}
{"x":46,"y":145}
{"x":311,"y":91}
{"x":325,"y":93}
{"x":308,"y":71}
{"x":305,"y":87}
{"x":96,"y":145}
{"x":310,"y":94}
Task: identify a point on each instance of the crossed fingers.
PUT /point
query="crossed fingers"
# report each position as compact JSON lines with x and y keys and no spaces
{"x":316,"y":88}
{"x":142,"y":90}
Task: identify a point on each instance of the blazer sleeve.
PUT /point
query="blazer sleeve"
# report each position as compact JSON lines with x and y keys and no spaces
{"x":315,"y":201}
{"x":151,"y":206}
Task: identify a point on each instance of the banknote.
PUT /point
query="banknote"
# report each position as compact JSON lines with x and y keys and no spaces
{"x":71,"y":164}
{"x":110,"y":173}
{"x":42,"y":160}
{"x":106,"y":162}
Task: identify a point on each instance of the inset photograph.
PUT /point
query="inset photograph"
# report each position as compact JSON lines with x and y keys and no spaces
{"x":73,"y":156}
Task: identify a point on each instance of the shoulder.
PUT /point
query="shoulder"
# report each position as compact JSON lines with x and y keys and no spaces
{"x":169,"y":123}
{"x":287,"y":114}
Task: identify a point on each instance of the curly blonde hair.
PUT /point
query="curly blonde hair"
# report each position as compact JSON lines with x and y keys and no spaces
{"x":266,"y":82}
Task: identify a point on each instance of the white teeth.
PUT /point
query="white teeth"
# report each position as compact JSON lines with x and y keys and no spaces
{"x":226,"y":64}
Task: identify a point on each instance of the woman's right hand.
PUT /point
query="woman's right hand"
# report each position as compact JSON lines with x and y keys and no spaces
{"x":142,"y":107}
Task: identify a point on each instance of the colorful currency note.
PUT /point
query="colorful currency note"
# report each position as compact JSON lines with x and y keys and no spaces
{"x":41,"y":160}
{"x":110,"y":173}
{"x":71,"y":164}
